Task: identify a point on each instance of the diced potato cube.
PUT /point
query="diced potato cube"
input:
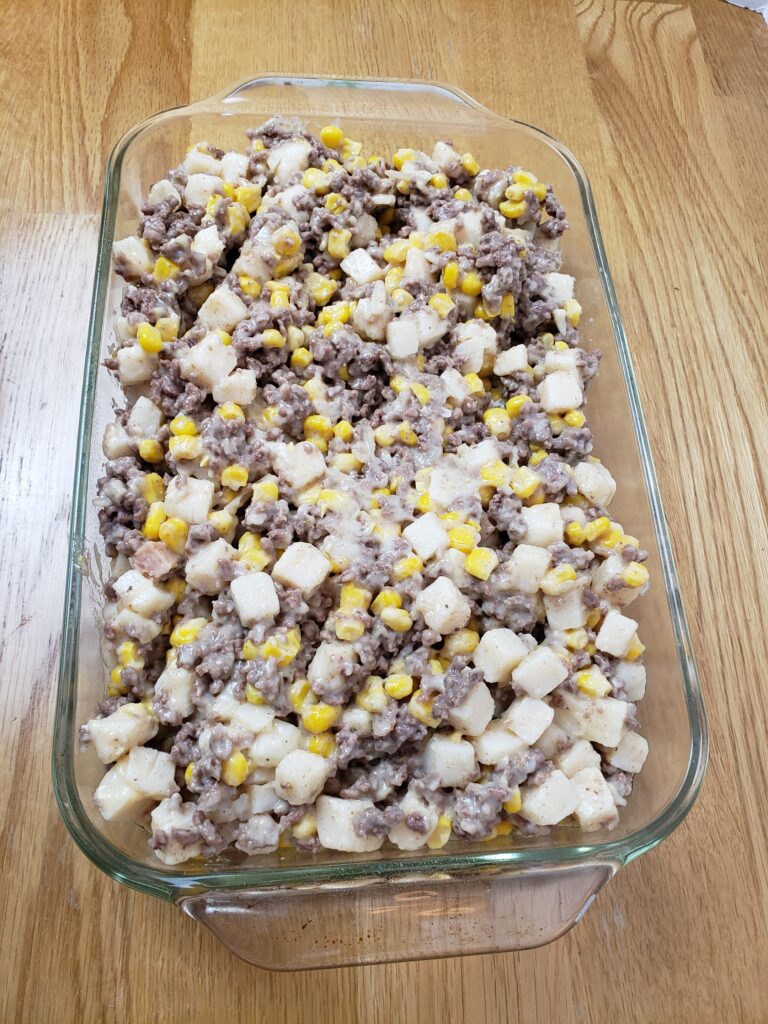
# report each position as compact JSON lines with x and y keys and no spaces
{"x":250,"y":719}
{"x":413,"y":807}
{"x":427,"y":536}
{"x":301,"y":566}
{"x":168,"y":816}
{"x":551,"y":801}
{"x":474,"y":713}
{"x":262,"y":798}
{"x":558,"y":287}
{"x":116,"y":442}
{"x":128,"y":727}
{"x":560,"y":392}
{"x":287,"y":159}
{"x":209,"y":361}
{"x":528,"y":718}
{"x":596,"y":808}
{"x":526,"y":568}
{"x":327,"y":667}
{"x":189,"y":499}
{"x":513,"y":360}
{"x":567,"y":611}
{"x":595,"y":483}
{"x":443,"y":606}
{"x":132,"y":258}
{"x":140,"y":594}
{"x":239,"y":386}
{"x":174,"y":688}
{"x":130,"y":787}
{"x":372,"y":314}
{"x":222,"y":310}
{"x":361,"y":267}
{"x":200,"y":188}
{"x":336,"y":825}
{"x":602,"y":720}
{"x":234,"y":166}
{"x":630,"y":754}
{"x":203,"y":571}
{"x":402,"y":337}
{"x":499,"y":651}
{"x":208,"y":242}
{"x":498,"y":745}
{"x":631,"y":678}
{"x":255,"y":598}
{"x":145,"y":418}
{"x":273,"y":744}
{"x":615,"y":634}
{"x":136,"y":626}
{"x":580,"y":754}
{"x":540,"y":672}
{"x":452,"y":761}
{"x":134,"y":365}
{"x":161,"y":192}
{"x":300,"y":777}
{"x":544,"y":524}
{"x":299,"y":465}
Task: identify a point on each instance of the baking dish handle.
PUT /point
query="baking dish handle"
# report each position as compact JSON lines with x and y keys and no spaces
{"x":383,"y":921}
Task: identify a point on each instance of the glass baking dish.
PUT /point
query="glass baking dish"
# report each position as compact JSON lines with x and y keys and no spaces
{"x":508,"y":893}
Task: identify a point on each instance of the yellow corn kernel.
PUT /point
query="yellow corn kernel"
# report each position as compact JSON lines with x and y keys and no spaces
{"x":421,"y":392}
{"x":403,"y":156}
{"x":149,"y":338}
{"x":450,"y":276}
{"x":155,"y":518}
{"x":407,"y":435}
{"x":346,"y":462}
{"x":183,"y":426}
{"x":251,"y":554}
{"x":234,"y":771}
{"x":321,"y":288}
{"x":323,"y":745}
{"x":335,"y":203}
{"x":165,"y":269}
{"x":513,"y":210}
{"x":237,"y":218}
{"x":396,"y":253}
{"x":338,"y":243}
{"x":593,"y":621}
{"x":152,"y":488}
{"x":462,"y":194}
{"x":234,"y":476}
{"x":463,"y":641}
{"x":399,"y":685}
{"x":424,"y":502}
{"x":597,"y":528}
{"x":471,"y":284}
{"x":319,"y":442}
{"x":353,"y":597}
{"x":481,"y":562}
{"x":524,"y":482}
{"x":168,"y":327}
{"x":470,"y":165}
{"x":230,"y":411}
{"x":422,"y":710}
{"x":272,"y":338}
{"x":572,"y":311}
{"x":175,"y":586}
{"x":286,"y":241}
{"x":441,"y":239}
{"x":514,"y":803}
{"x":442,"y":304}
{"x":507,"y":308}
{"x":248,"y":197}
{"x":279,"y":299}
{"x":613,"y":538}
{"x":173,"y":533}
{"x":301,"y":358}
{"x":407,"y":567}
{"x":515,"y":404}
{"x":576,"y":639}
{"x":496,"y":474}
{"x":504,"y":828}
{"x":344,"y":430}
{"x":441,"y":833}
{"x":556,"y":581}
{"x":348,"y":628}
{"x":593,"y":683}
{"x":321,"y":425}
{"x":189,"y":773}
{"x":266,"y":490}
{"x":462,"y":538}
{"x":299,"y":694}
{"x":223,"y":522}
{"x":516,"y":192}
{"x":635,"y":575}
{"x":392,"y":279}
{"x":186,"y":632}
{"x":386,"y":598}
{"x":151,"y":450}
{"x":249,"y":286}
{"x":474,"y":384}
{"x":574,"y":418}
{"x":525,"y":178}
{"x":373,"y":697}
{"x":316,"y":181}
{"x":128,"y":655}
{"x":318,"y":718}
{"x":338,"y":313}
{"x":252,"y":695}
{"x":483,"y":313}
{"x":635,"y":649}
{"x":385,"y":435}
{"x":332,"y":136}
{"x":574,"y":533}
{"x":397,"y":619}
{"x":401,"y":298}
{"x":537,"y":457}
{"x":498,"y":422}
{"x":212,"y":204}
{"x":438,"y":180}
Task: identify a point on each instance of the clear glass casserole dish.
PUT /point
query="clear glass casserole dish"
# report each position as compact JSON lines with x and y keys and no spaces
{"x":466,"y":898}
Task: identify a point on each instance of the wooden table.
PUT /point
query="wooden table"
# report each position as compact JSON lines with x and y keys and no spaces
{"x":665,"y":104}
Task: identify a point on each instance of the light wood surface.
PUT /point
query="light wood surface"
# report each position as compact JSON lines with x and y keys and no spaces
{"x":666,"y":107}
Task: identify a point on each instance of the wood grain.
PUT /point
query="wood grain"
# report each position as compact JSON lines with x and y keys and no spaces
{"x":666,"y":107}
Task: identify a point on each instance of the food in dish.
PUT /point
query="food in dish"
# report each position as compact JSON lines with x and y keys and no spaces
{"x":366,"y":586}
